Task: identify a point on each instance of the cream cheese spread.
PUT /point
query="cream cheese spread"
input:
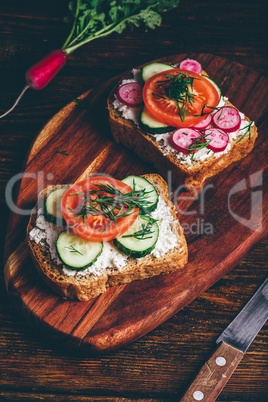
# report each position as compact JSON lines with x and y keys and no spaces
{"x":129,"y":113}
{"x":111,"y":258}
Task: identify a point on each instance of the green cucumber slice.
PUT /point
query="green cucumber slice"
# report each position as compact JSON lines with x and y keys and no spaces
{"x":153,"y":68}
{"x":214,"y":84}
{"x":140,"y":239}
{"x":77,"y":253}
{"x":149,"y":124}
{"x":52,"y":210}
{"x":140,"y":183}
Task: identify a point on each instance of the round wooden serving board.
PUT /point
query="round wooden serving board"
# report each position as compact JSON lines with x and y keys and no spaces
{"x":221,"y":224}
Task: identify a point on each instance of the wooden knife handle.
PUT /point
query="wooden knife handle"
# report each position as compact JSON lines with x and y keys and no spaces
{"x":214,"y":374}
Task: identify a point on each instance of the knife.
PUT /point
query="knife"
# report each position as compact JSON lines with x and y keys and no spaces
{"x":233,"y":343}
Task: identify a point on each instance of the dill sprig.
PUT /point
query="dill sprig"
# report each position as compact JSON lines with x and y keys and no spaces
{"x":198,"y":143}
{"x":83,"y":103}
{"x":203,"y":113}
{"x":177,"y":87}
{"x":72,"y":249}
{"x":248,"y":131}
{"x":111,"y":203}
{"x":144,"y":233}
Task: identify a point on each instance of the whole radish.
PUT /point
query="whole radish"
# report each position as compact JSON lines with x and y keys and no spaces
{"x":86,"y":27}
{"x":41,"y":73}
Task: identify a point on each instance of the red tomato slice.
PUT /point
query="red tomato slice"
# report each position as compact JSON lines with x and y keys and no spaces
{"x":204,"y":98}
{"x":95,"y":226}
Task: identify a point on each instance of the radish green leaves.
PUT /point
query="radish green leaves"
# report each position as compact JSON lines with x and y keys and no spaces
{"x":93,"y":19}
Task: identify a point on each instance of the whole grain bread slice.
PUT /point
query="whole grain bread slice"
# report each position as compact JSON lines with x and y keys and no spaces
{"x":128,"y":133}
{"x":85,"y":287}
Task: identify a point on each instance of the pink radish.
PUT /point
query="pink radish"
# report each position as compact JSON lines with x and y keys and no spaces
{"x":41,"y":73}
{"x":204,"y":123}
{"x":217,"y":139}
{"x":183,"y":138}
{"x":130,"y":94}
{"x":227,"y":119}
{"x":83,"y":31}
{"x":191,"y":65}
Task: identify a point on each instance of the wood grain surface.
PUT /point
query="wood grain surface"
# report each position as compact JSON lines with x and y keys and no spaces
{"x":163,"y":363}
{"x":125,"y":313}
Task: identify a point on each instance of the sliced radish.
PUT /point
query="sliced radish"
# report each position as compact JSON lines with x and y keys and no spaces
{"x":204,"y":123}
{"x":191,"y":65}
{"x":227,"y":118}
{"x":183,"y":138}
{"x":130,"y":94}
{"x":218,"y":139}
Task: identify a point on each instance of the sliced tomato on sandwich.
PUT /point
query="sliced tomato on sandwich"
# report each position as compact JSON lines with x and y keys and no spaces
{"x":92,"y":211}
{"x":179,"y":98}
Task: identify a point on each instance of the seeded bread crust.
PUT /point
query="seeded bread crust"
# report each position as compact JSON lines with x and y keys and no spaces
{"x":126,"y":132}
{"x":89,"y":286}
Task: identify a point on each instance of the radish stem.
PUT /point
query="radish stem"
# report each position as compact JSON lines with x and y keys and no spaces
{"x":74,"y":24}
{"x":93,"y":20}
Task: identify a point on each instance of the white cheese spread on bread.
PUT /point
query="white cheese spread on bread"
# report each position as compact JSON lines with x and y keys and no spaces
{"x":46,"y":234}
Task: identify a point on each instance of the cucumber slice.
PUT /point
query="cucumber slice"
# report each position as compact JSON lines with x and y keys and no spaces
{"x":153,"y":68}
{"x":140,"y":239}
{"x":213,"y":83}
{"x":149,"y":124}
{"x":52,"y":210}
{"x":77,"y":253}
{"x":140,"y":183}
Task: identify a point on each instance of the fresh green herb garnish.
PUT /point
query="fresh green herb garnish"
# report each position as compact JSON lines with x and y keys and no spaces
{"x":83,"y":103}
{"x":248,"y":131}
{"x":177,"y":87}
{"x":218,"y":118}
{"x":206,"y":113}
{"x":144,"y":233}
{"x":62,"y":152}
{"x":198,"y":143}
{"x":111,"y":203}
{"x":93,"y":19}
{"x":72,"y":249}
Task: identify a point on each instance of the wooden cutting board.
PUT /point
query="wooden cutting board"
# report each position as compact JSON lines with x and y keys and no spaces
{"x":221,"y":224}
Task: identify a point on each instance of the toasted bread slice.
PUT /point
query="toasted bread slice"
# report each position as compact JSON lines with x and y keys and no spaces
{"x":147,"y":146}
{"x":85,"y":287}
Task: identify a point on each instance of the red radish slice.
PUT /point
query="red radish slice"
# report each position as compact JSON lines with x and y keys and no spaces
{"x":130,"y":94}
{"x":218,"y":139}
{"x":204,"y":123}
{"x":183,"y":138}
{"x":191,"y":65}
{"x":227,"y":119}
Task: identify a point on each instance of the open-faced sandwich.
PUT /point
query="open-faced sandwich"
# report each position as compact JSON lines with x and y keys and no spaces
{"x":175,"y":117}
{"x":102,"y":232}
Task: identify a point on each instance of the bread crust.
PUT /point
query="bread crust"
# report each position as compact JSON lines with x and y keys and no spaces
{"x":87,"y":287}
{"x":129,"y":134}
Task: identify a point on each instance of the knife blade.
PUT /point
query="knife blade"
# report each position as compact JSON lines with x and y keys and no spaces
{"x":233,"y":343}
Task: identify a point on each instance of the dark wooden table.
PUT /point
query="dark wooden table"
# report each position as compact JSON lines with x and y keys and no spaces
{"x":162,"y":364}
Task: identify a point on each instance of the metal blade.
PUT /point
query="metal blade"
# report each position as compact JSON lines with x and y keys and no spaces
{"x":243,"y":329}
